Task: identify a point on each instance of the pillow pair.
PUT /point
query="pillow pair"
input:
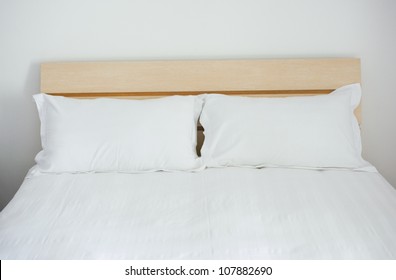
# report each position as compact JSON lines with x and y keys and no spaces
{"x":113,"y":135}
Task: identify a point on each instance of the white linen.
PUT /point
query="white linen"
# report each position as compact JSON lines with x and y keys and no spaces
{"x":105,"y":135}
{"x":310,"y":131}
{"x":230,"y":213}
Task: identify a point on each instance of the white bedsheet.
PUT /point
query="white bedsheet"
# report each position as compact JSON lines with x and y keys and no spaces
{"x":229,"y":213}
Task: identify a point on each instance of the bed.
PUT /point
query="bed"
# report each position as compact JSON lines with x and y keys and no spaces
{"x":227,"y":204}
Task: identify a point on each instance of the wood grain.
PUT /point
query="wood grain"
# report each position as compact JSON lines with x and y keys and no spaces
{"x":151,"y":79}
{"x":198,"y":76}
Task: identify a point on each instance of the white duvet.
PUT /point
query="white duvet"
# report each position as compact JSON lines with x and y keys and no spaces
{"x":230,"y":213}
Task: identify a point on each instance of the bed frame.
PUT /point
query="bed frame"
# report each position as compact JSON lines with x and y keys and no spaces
{"x":149,"y":79}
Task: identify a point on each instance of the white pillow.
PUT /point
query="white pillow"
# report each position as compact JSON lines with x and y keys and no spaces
{"x":312,"y":131}
{"x":104,"y":135}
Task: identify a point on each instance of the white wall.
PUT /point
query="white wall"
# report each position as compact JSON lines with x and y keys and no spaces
{"x":37,"y":31}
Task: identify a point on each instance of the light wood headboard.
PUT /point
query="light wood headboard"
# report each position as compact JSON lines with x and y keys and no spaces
{"x":146,"y":79}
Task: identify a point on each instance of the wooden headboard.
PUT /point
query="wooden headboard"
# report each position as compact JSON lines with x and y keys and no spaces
{"x":147,"y":79}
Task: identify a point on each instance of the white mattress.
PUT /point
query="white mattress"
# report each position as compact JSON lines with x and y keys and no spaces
{"x":229,"y":213}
